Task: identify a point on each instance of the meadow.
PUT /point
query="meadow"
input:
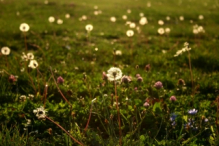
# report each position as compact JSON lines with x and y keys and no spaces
{"x":109,"y":73}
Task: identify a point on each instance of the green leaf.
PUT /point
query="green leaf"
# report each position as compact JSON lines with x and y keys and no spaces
{"x":156,"y":107}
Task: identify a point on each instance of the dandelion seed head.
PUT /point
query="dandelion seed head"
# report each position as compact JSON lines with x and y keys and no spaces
{"x":51,"y":19}
{"x":129,"y":33}
{"x":114,"y":73}
{"x":89,"y":27}
{"x":59,"y":21}
{"x":161,"y":22}
{"x":143,"y":21}
{"x":33,"y":64}
{"x":113,"y":19}
{"x":5,"y":50}
{"x":161,"y":31}
{"x":24,"y":27}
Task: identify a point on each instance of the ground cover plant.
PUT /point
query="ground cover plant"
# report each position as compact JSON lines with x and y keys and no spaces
{"x":106,"y":73}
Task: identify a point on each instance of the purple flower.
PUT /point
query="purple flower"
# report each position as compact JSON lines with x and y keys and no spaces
{"x":12,"y":79}
{"x":146,"y":104}
{"x":126,"y":79}
{"x":192,"y":111}
{"x":173,"y":117}
{"x":104,"y":76}
{"x":158,"y":85}
{"x":60,"y":80}
{"x":140,"y":79}
{"x":147,"y":67}
{"x":137,"y":75}
{"x":172,"y":98}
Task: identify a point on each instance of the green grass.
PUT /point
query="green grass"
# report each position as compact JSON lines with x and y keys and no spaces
{"x":69,"y":52}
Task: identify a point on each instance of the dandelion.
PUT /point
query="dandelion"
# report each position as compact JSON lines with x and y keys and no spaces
{"x":22,"y":98}
{"x":60,"y":80}
{"x":33,"y":64}
{"x":114,"y":73}
{"x":24,"y":27}
{"x":51,"y":19}
{"x":158,"y":85}
{"x":129,"y":33}
{"x":161,"y":31}
{"x":96,"y":12}
{"x":67,"y":16}
{"x":124,"y":17}
{"x":30,"y":56}
{"x":5,"y":51}
{"x":30,"y":96}
{"x":200,"y":17}
{"x":84,"y":17}
{"x":161,"y":22}
{"x":40,"y":113}
{"x":181,"y":18}
{"x":89,"y":27}
{"x":141,"y":14}
{"x":167,"y":30}
{"x":118,"y":52}
{"x":168,"y":18}
{"x":192,"y":111}
{"x":172,"y":98}
{"x":113,"y":19}
{"x":59,"y":21}
{"x":129,"y":11}
{"x":143,"y":21}
{"x":132,"y":25}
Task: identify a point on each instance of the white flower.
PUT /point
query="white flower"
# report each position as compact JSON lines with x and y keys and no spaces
{"x":129,"y":11}
{"x":24,"y":27}
{"x":40,"y":113}
{"x":113,"y":19}
{"x":149,"y":4}
{"x":200,"y":17}
{"x":84,"y":17}
{"x":167,"y":30}
{"x":30,"y":96}
{"x":124,"y":17}
{"x":93,"y":100}
{"x":168,"y":18}
{"x":129,"y":33}
{"x":89,"y":27}
{"x":59,"y":21}
{"x":5,"y":50}
{"x":51,"y":19}
{"x":33,"y":64}
{"x":143,"y":21}
{"x":186,"y":48}
{"x":22,"y":98}
{"x":132,"y":25}
{"x":161,"y":31}
{"x":141,"y":14}
{"x":181,"y":18}
{"x":118,"y":52}
{"x":114,"y":73}
{"x":67,"y":16}
{"x":96,"y":12}
{"x":30,"y":56}
{"x":160,"y":22}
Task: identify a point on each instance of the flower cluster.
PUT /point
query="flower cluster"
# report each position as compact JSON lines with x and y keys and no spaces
{"x":40,"y":113}
{"x":186,"y":48}
{"x":198,"y":29}
{"x":158,"y":85}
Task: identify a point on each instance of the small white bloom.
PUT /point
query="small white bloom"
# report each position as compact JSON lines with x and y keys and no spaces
{"x":59,"y":21}
{"x":129,"y":33}
{"x":161,"y":31}
{"x":124,"y":17}
{"x":30,"y":56}
{"x":51,"y":19}
{"x":132,"y":25}
{"x":161,"y":22}
{"x":181,"y":18}
{"x":114,"y":73}
{"x":84,"y":17}
{"x":33,"y":64}
{"x":167,"y":30}
{"x":118,"y":52}
{"x":113,"y":19}
{"x":168,"y":18}
{"x":93,"y":100}
{"x":5,"y":50}
{"x":67,"y":16}
{"x":143,"y":21}
{"x":24,"y":27}
{"x":129,"y":11}
{"x":89,"y":27}
{"x":22,"y":98}
{"x":200,"y":17}
{"x":40,"y":112}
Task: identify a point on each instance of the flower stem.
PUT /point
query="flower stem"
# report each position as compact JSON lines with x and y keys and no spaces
{"x":58,"y":88}
{"x":118,"y":113}
{"x":190,"y":67}
{"x":64,"y":131}
{"x":85,"y":129}
{"x":25,"y":41}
